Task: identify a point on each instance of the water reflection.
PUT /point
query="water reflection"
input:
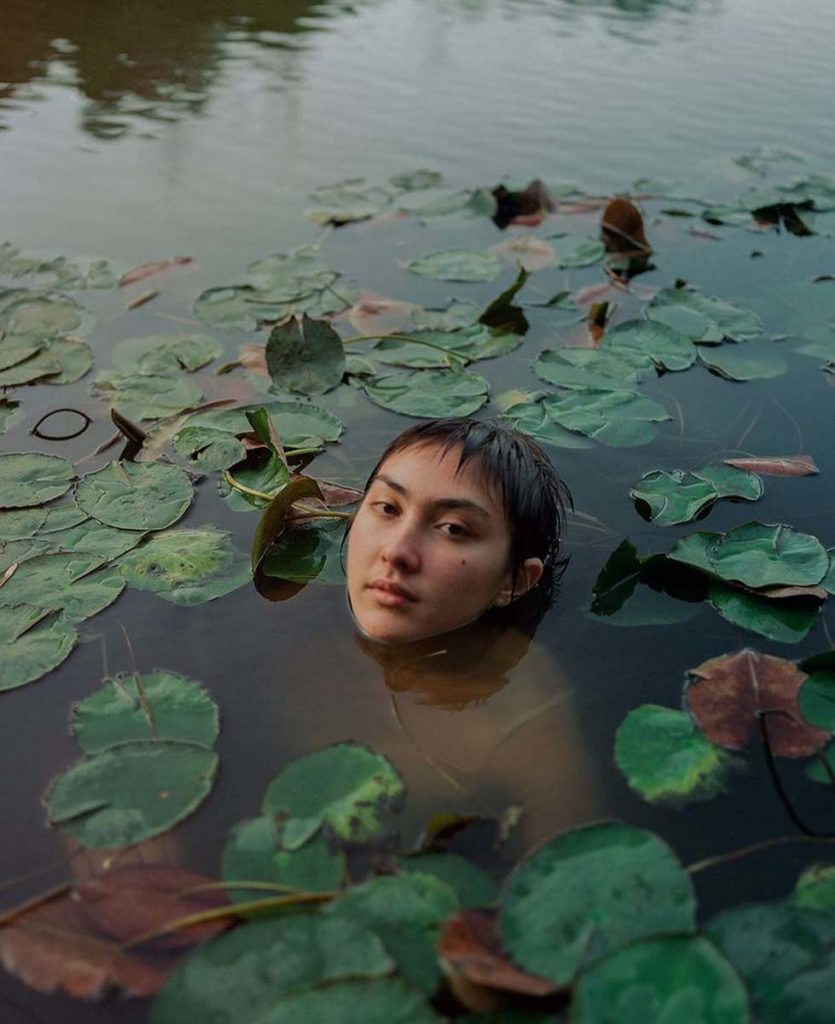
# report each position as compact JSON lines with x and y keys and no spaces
{"x":141,"y":59}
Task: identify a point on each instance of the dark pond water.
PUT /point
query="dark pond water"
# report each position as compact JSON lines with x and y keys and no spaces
{"x":145,"y":129}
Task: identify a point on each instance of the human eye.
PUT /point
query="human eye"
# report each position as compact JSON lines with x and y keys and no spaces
{"x":386,"y":509}
{"x":457,"y":531}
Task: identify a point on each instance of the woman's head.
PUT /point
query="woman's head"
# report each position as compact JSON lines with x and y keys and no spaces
{"x":459,"y":517}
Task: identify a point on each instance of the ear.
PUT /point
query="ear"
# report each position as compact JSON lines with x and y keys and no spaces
{"x":527,"y":576}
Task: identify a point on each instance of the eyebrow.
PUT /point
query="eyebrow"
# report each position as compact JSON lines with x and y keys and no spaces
{"x":445,"y":503}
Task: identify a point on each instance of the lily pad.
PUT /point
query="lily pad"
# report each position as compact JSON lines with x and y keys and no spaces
{"x":756,"y":555}
{"x":680,"y":496}
{"x":15,"y":350}
{"x":10,"y":413}
{"x":33,"y":644}
{"x":666,"y":759}
{"x":146,"y":396}
{"x":817,"y":699}
{"x":815,"y":889}
{"x":702,"y":318}
{"x":406,"y":912}
{"x":744,"y":362}
{"x":32,"y":478}
{"x":74,"y":358}
{"x":254,"y":852}
{"x":41,"y":366}
{"x":308,"y":552}
{"x":429,"y":393}
{"x":470,"y":883}
{"x":531,"y":418}
{"x":589,"y":892}
{"x":299,"y":425}
{"x":94,"y":538}
{"x":346,"y":786}
{"x":787,"y":622}
{"x":64,"y":582}
{"x":235,"y":307}
{"x":252,"y":971}
{"x":669,"y":349}
{"x":135,"y":496}
{"x":457,"y":314}
{"x":473,"y":203}
{"x":18,"y":524}
{"x":131,"y":792}
{"x":306,"y":356}
{"x":43,"y":316}
{"x":578,"y":252}
{"x":158,"y":705}
{"x":186,"y":567}
{"x":589,"y":368}
{"x":212,"y":449}
{"x":423,"y":349}
{"x":458,"y":265}
{"x":348,"y":201}
{"x":620,"y":419}
{"x":665,"y":979}
{"x":165,"y":354}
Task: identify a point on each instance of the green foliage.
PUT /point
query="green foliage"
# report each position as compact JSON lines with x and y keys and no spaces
{"x":786,"y":622}
{"x":146,"y":396}
{"x":457,"y":265}
{"x":620,"y":419}
{"x":578,"y":252}
{"x":305,"y":355}
{"x":589,"y":892}
{"x":429,"y":393}
{"x":680,"y":496}
{"x":651,"y":340}
{"x":589,"y":368}
{"x":470,"y":883}
{"x":135,"y":495}
{"x":34,"y":643}
{"x":744,"y":362}
{"x":307,"y":553}
{"x":33,"y":478}
{"x":78,"y":585}
{"x":702,"y":318}
{"x":164,"y":353}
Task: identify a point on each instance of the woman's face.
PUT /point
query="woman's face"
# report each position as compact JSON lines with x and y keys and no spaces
{"x":429,"y":548}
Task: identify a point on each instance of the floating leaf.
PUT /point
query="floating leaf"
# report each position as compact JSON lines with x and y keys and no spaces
{"x":476,"y":203}
{"x":817,"y":698}
{"x":665,"y":758}
{"x":33,"y":478}
{"x":147,"y":397}
{"x":667,"y":348}
{"x":235,"y":307}
{"x":251,"y":972}
{"x":158,"y":705}
{"x":728,"y":695}
{"x":470,"y":883}
{"x":10,"y":413}
{"x":815,"y":889}
{"x":531,"y":418}
{"x":165,"y":354}
{"x":74,"y":358}
{"x":32,"y":643}
{"x":777,"y":465}
{"x":92,"y":537}
{"x":212,"y":449}
{"x":679,"y":496}
{"x":66,"y":582}
{"x":664,"y":979}
{"x":620,"y":419}
{"x":41,"y":366}
{"x":131,"y":792}
{"x":429,"y":393}
{"x":588,"y":892}
{"x":422,"y":349}
{"x":416,"y":180}
{"x":308,"y":552}
{"x":406,"y":912}
{"x":305,"y":356}
{"x":528,"y":253}
{"x":346,"y":786}
{"x":579,"y":252}
{"x":15,"y":350}
{"x":756,"y":555}
{"x":42,"y":316}
{"x":457,"y":265}
{"x":135,"y":496}
{"x":347,"y":201}
{"x":457,"y":314}
{"x":273,"y":519}
{"x":703,"y":318}
{"x":186,"y":567}
{"x":254,"y":853}
{"x":746,"y":362}
{"x":19,"y":524}
{"x":299,"y":425}
{"x":588,"y":368}
{"x":622,"y":227}
{"x":786,"y":622}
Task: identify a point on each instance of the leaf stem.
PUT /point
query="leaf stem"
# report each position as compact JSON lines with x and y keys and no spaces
{"x":244,"y":489}
{"x":450,"y":353}
{"x":744,"y":851}
{"x":33,"y":903}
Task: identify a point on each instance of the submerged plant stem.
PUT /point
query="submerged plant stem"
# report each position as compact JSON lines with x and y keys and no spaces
{"x":745,"y":851}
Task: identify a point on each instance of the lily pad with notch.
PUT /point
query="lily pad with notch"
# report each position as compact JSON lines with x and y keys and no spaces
{"x":531,"y":418}
{"x":620,"y":419}
{"x":703,"y":318}
{"x":785,"y":621}
{"x":34,"y":643}
{"x":33,"y":478}
{"x":77,"y":585}
{"x":466,"y":265}
{"x":427,"y":394}
{"x":680,"y":496}
{"x":305,"y":355}
{"x":135,"y":496}
{"x":589,"y":368}
{"x":165,"y":354}
{"x":146,"y":396}
{"x":744,"y":362}
{"x":651,"y":341}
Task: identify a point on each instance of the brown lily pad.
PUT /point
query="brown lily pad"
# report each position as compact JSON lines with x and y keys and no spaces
{"x":777,"y":465}
{"x":622,"y":228}
{"x":728,"y":695}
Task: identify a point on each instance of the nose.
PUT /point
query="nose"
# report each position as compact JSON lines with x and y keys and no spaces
{"x":401,"y":546}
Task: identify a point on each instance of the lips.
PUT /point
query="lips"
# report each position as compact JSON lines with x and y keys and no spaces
{"x":390,"y":593}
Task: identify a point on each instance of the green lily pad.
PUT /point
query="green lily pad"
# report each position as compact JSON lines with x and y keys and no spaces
{"x":817,"y":700}
{"x":806,"y":999}
{"x":19,"y":524}
{"x":815,"y":888}
{"x":147,"y":397}
{"x":406,"y":912}
{"x":308,"y":552}
{"x":531,"y":418}
{"x":288,"y":274}
{"x":589,"y":892}
{"x":33,"y":644}
{"x":769,"y":945}
{"x":131,"y":792}
{"x":254,"y":853}
{"x":679,"y":496}
{"x":212,"y":449}
{"x":821,"y":342}
{"x":457,"y":314}
{"x":186,"y":567}
{"x":15,"y":350}
{"x":577,"y":252}
{"x":306,"y":356}
{"x":703,"y":318}
{"x":235,"y":307}
{"x":74,"y":358}
{"x":470,"y":883}
{"x":429,"y":393}
{"x":41,"y":366}
{"x":62,"y":516}
{"x":676,"y":978}
{"x":744,"y":362}
{"x":32,"y":478}
{"x":472,"y":203}
{"x":669,"y":349}
{"x":589,"y":368}
{"x":10,"y":413}
{"x":251,"y":972}
{"x":165,"y":354}
{"x":158,"y":705}
{"x":757,"y":555}
{"x":12,"y":551}
{"x":65,"y":582}
{"x":383,"y":1001}
{"x":347,"y":201}
{"x":666,"y":758}
{"x":620,"y":419}
{"x":429,"y":348}
{"x":458,"y":265}
{"x":43,"y":316}
{"x":815,"y":769}
{"x":135,"y":495}
{"x":94,"y":538}
{"x":787,"y":622}
{"x":347,"y":786}
{"x":299,"y":425}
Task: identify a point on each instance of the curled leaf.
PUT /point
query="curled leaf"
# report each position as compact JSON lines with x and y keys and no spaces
{"x":777,"y":465}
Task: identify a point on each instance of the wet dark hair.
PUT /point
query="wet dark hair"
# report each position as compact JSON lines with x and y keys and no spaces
{"x":533,"y":495}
